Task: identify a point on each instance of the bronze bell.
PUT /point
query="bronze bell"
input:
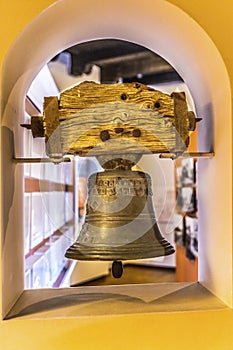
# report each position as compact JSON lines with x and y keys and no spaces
{"x":120,"y":222}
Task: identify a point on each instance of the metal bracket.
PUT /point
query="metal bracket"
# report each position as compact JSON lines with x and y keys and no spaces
{"x":187,"y":155}
{"x":41,"y":160}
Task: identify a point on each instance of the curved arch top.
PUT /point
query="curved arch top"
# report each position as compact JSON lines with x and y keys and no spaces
{"x":159,"y":26}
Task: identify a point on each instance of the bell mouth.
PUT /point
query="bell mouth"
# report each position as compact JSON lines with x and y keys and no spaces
{"x":130,"y":251}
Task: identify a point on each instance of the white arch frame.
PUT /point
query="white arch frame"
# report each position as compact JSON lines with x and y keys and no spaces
{"x":171,"y":33}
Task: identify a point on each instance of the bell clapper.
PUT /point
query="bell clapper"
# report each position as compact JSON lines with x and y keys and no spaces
{"x":117,"y":269}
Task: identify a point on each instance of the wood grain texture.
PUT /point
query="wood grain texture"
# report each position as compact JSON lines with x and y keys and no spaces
{"x":182,"y":118}
{"x":52,"y":127}
{"x":90,"y":94}
{"x":98,"y":119}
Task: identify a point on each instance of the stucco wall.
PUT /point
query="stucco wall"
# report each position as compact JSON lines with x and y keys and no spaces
{"x":203,"y":329}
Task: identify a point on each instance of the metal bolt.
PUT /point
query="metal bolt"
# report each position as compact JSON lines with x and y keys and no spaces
{"x":136,"y":133}
{"x":123,"y":96}
{"x":137,"y":85}
{"x":157,"y":104}
{"x":104,"y":135}
{"x":118,"y":130}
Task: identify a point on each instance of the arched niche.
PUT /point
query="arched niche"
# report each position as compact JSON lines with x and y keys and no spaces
{"x":171,"y":33}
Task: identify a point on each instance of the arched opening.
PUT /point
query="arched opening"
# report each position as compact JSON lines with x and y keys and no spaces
{"x":56,"y":29}
{"x":106,"y":61}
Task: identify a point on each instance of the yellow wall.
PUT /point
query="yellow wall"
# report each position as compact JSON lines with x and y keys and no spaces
{"x":195,"y":330}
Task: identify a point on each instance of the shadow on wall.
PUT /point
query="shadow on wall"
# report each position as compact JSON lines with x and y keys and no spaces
{"x":118,"y":300}
{"x":8,"y":169}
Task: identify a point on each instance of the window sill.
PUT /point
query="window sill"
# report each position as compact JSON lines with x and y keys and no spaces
{"x":114,"y":300}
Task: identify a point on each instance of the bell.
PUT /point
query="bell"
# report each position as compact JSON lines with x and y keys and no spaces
{"x":120,"y":222}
